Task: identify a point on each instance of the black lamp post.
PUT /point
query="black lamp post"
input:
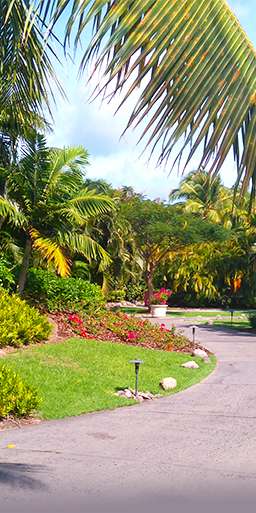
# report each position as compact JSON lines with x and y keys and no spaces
{"x":137,"y":368}
{"x":194,"y":333}
{"x":231,"y":316}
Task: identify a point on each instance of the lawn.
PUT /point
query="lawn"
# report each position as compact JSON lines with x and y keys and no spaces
{"x":79,"y":376}
{"x":237,"y":324}
{"x":190,"y":313}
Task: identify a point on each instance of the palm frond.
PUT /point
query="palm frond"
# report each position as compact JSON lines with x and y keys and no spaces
{"x":194,"y":64}
{"x":68,"y":167}
{"x":10,"y":211}
{"x":84,"y":245}
{"x":89,"y":203}
{"x":52,"y":252}
{"x":26,"y":72}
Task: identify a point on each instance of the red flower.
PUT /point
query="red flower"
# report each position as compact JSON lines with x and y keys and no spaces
{"x":84,"y":333}
{"x":75,"y":318}
{"x":132,"y":335}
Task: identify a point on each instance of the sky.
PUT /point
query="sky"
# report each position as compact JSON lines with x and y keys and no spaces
{"x":94,"y":125}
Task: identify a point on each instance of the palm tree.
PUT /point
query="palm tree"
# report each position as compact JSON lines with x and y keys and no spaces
{"x":193,"y":63}
{"x":204,"y":194}
{"x":46,"y":198}
{"x":26,"y":72}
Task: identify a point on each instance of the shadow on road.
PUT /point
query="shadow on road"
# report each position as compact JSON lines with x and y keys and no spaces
{"x":19,"y":475}
{"x":228,"y":330}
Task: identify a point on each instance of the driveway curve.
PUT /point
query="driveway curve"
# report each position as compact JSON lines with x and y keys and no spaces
{"x":193,"y":451}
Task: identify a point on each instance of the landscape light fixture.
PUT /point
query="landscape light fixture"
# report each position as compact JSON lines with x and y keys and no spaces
{"x":231,"y":316}
{"x":194,"y":333}
{"x":137,"y":368}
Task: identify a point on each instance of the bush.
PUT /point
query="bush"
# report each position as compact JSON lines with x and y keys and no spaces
{"x":135,"y":292}
{"x":117,"y":295}
{"x":20,"y":324}
{"x":16,"y":397}
{"x":6,"y":275}
{"x":252,"y":320}
{"x":63,"y":294}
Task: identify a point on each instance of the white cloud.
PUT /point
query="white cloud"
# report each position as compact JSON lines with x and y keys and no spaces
{"x":94,"y":126}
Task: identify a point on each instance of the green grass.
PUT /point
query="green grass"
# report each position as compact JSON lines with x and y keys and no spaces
{"x":190,"y":313}
{"x":240,"y":324}
{"x":79,"y":376}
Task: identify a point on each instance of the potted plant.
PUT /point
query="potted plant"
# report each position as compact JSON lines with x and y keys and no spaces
{"x":158,"y":303}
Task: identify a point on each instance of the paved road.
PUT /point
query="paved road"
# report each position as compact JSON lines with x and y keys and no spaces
{"x":195,"y":451}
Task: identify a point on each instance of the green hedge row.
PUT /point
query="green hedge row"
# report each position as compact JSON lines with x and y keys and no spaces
{"x":63,"y":294}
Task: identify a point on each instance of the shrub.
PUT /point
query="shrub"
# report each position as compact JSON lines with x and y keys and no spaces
{"x":135,"y":292}
{"x":120,"y":327}
{"x":252,"y":320}
{"x":63,"y":294}
{"x":20,"y":324}
{"x":117,"y":295}
{"x":16,"y":397}
{"x":6,"y":275}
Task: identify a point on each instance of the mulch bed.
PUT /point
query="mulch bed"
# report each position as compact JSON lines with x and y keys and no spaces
{"x":12,"y":422}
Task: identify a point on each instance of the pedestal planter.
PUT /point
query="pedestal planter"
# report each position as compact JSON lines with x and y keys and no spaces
{"x":158,"y":310}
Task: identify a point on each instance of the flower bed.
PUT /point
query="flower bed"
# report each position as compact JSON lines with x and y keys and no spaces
{"x":120,"y":327}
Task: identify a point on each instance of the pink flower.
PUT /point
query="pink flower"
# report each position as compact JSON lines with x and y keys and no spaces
{"x":132,"y":335}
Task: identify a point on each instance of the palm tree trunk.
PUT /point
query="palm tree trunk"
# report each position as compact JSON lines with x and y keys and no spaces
{"x":24,"y":267}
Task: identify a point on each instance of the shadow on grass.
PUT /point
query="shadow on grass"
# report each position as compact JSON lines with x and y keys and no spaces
{"x":20,"y":475}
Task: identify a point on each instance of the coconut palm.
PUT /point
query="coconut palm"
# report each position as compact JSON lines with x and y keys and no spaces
{"x":205,"y":194}
{"x":26,"y":71}
{"x":193,"y":63}
{"x":46,"y":198}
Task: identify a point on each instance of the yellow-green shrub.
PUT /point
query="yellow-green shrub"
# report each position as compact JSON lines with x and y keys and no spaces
{"x":20,"y":324}
{"x":16,"y":397}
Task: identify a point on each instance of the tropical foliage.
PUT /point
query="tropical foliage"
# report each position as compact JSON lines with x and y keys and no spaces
{"x":46,"y":198}
{"x":194,"y":68}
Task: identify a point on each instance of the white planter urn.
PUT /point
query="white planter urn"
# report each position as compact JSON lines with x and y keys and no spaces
{"x":158,"y":310}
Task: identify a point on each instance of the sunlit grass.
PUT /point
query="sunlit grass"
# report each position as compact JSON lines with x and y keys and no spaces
{"x":79,"y":376}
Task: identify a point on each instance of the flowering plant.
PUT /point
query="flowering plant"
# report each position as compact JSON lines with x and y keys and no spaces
{"x":160,"y":297}
{"x":123,"y":328}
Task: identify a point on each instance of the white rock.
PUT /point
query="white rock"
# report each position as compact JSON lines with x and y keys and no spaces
{"x":128,"y":393}
{"x":201,"y":353}
{"x":168,"y":383}
{"x":190,"y":365}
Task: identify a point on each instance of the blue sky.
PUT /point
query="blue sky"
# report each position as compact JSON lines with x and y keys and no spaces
{"x":93,"y":125}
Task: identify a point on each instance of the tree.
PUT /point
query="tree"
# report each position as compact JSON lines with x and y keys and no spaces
{"x":114,"y":233}
{"x":205,"y":195}
{"x":51,"y":207}
{"x":194,"y":64}
{"x":161,"y":231}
